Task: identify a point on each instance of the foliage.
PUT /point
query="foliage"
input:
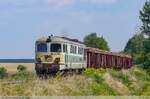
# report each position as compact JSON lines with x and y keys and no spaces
{"x":147,"y":89}
{"x":21,"y":68}
{"x":99,"y":87}
{"x":95,"y":74}
{"x":91,"y":71}
{"x":145,"y":18}
{"x":3,"y":73}
{"x":133,"y":78}
{"x":92,"y":82}
{"x":92,"y":40}
{"x":138,"y":47}
{"x":135,"y":47}
{"x":103,"y":89}
{"x":119,"y":75}
{"x":147,"y":54}
{"x":23,"y":75}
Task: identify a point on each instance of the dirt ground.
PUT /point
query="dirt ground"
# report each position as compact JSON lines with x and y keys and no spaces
{"x":12,"y":67}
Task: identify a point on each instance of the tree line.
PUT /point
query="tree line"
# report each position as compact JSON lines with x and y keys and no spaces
{"x":139,"y":45}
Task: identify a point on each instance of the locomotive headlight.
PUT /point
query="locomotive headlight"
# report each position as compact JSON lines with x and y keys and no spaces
{"x":38,"y":60}
{"x":57,"y":60}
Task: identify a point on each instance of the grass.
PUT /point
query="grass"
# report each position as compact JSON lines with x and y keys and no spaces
{"x":104,"y":82}
{"x":71,"y":85}
{"x":147,"y":89}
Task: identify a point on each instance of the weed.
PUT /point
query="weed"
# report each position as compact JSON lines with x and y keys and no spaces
{"x":23,"y":75}
{"x":21,"y":68}
{"x":147,"y":89}
{"x":3,"y":73}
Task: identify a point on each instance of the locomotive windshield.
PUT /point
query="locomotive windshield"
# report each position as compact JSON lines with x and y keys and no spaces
{"x":55,"y":47}
{"x":42,"y":47}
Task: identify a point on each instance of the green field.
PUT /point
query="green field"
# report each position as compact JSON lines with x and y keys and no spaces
{"x":134,"y":81}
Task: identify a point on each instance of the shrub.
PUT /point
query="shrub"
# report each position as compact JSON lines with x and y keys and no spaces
{"x":99,"y":87}
{"x":103,"y":89}
{"x":21,"y":68}
{"x":100,"y":70}
{"x":23,"y":75}
{"x":95,"y":74}
{"x":3,"y":72}
{"x":147,"y":89}
{"x":91,"y":71}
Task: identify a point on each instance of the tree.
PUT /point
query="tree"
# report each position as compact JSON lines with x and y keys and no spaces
{"x":147,"y":45}
{"x":135,"y":47}
{"x":147,"y":61}
{"x":147,"y":53}
{"x":145,"y":18}
{"x":92,"y":40}
{"x":139,"y":46}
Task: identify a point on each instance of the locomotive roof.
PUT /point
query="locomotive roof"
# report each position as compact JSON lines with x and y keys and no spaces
{"x":44,"y":39}
{"x":74,"y":40}
{"x":96,"y":50}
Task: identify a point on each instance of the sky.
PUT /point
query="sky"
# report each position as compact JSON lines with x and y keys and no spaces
{"x":23,"y":21}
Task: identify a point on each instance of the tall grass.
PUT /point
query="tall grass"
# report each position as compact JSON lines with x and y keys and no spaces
{"x":147,"y":89}
{"x":91,"y":82}
{"x":70,"y":85}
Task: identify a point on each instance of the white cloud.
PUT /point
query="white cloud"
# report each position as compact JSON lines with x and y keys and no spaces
{"x":103,"y":1}
{"x":55,"y":3}
{"x":60,"y":3}
{"x":9,"y":2}
{"x":64,"y":3}
{"x":51,"y":3}
{"x":100,"y":1}
{"x":17,"y":2}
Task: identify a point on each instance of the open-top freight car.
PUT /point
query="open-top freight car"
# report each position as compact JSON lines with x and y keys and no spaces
{"x":56,"y":53}
{"x":97,"y":58}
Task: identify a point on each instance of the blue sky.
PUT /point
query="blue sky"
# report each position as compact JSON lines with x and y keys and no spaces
{"x":23,"y":21}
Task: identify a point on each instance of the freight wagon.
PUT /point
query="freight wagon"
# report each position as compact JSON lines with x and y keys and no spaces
{"x":99,"y":58}
{"x":56,"y":53}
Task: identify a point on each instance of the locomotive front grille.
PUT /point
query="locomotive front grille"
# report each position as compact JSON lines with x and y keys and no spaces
{"x":48,"y":58}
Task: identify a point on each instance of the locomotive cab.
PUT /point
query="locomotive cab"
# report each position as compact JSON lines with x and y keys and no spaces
{"x":49,"y":56}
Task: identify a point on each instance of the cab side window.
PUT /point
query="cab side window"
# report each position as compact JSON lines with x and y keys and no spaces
{"x":65,"y":48}
{"x":73,"y":49}
{"x":80,"y":50}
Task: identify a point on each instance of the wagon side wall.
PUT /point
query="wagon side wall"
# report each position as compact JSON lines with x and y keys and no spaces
{"x":97,"y":60}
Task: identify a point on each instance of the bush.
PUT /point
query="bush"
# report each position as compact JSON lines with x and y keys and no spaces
{"x":23,"y":75}
{"x":3,"y":72}
{"x":99,"y":87}
{"x":21,"y":68}
{"x":91,"y":71}
{"x":147,"y":89}
{"x":103,"y":89}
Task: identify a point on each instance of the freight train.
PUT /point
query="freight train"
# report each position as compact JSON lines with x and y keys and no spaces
{"x":54,"y":53}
